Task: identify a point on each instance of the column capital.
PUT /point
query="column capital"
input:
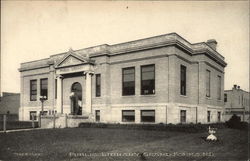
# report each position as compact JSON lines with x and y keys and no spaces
{"x":59,"y":76}
{"x":89,"y":72}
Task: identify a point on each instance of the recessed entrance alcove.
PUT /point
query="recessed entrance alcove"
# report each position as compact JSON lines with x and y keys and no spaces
{"x":76,"y":99}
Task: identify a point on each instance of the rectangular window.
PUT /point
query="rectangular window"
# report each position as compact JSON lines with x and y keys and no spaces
{"x":225,"y":97}
{"x":128,"y":116}
{"x":33,"y":113}
{"x":55,"y":88}
{"x":128,"y":81}
{"x":33,"y":90}
{"x":97,"y":115}
{"x":219,"y":88}
{"x":207,"y":83}
{"x":98,"y":85}
{"x":219,"y":116}
{"x":147,"y":115}
{"x":148,"y":79}
{"x":44,"y":87}
{"x":208,"y":116}
{"x":183,"y":80}
{"x":183,"y":116}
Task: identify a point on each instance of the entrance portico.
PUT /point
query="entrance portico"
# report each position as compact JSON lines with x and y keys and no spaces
{"x":73,"y":63}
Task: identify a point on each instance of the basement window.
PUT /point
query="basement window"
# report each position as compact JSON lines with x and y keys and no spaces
{"x":33,"y":113}
{"x":147,"y":115}
{"x":128,"y":116}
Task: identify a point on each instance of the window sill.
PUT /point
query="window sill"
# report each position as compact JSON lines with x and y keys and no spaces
{"x":148,"y":95}
{"x":185,"y":96}
{"x":209,"y":98}
{"x":147,"y":122}
{"x":128,"y":122}
{"x":128,"y":95}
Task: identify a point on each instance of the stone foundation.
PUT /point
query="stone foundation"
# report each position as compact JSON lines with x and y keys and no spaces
{"x":63,"y":121}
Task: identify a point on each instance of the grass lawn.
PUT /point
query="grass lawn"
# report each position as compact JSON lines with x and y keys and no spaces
{"x":78,"y":143}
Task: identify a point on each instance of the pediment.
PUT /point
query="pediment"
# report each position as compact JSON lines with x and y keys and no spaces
{"x":72,"y":58}
{"x":69,"y":61}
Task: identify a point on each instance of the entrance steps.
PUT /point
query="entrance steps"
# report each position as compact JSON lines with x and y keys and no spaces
{"x":65,"y":120}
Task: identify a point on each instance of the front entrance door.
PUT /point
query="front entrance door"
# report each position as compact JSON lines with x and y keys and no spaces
{"x":76,"y":99}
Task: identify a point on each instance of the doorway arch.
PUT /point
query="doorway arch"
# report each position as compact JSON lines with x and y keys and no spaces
{"x":76,"y":98}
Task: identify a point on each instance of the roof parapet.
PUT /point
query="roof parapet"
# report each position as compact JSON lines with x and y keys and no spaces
{"x":212,"y":43}
{"x":208,"y":47}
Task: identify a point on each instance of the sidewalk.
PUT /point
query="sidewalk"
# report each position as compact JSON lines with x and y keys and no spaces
{"x":16,"y":130}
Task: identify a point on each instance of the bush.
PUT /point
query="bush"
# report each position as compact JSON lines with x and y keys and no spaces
{"x":235,"y":123}
{"x":191,"y":128}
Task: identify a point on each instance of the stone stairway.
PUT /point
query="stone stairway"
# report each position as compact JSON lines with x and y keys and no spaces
{"x":65,"y":120}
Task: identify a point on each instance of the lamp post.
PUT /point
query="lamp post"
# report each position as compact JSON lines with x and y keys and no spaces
{"x":42,"y":99}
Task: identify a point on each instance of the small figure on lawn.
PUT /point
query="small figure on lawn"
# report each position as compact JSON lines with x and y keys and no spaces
{"x":211,"y":137}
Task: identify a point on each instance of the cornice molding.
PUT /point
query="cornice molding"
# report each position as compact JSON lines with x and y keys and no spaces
{"x":212,"y":66}
{"x":44,"y":73}
{"x":138,"y":59}
{"x":171,"y":39}
{"x":32,"y":68}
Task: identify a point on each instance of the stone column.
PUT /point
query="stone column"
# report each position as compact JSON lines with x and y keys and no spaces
{"x":88,"y":92}
{"x":59,"y":108}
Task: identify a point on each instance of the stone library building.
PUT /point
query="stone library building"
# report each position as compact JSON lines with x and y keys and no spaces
{"x":160,"y":79}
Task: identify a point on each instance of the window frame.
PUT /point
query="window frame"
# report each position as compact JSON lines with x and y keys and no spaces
{"x":55,"y":88}
{"x":35,"y":116}
{"x":124,"y":120}
{"x":208,"y":88}
{"x":97,"y":117}
{"x":183,"y":83}
{"x":98,"y":86}
{"x":148,"y":116}
{"x":219,"y":116}
{"x":32,"y":90}
{"x":123,"y":82}
{"x":185,"y":116}
{"x":225,"y":97}
{"x":208,"y":116}
{"x":42,"y":79}
{"x":153,"y":92}
{"x":219,"y":79}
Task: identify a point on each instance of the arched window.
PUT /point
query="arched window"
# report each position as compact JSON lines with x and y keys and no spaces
{"x":77,"y":89}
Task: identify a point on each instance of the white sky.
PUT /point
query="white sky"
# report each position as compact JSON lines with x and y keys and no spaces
{"x":32,"y":30}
